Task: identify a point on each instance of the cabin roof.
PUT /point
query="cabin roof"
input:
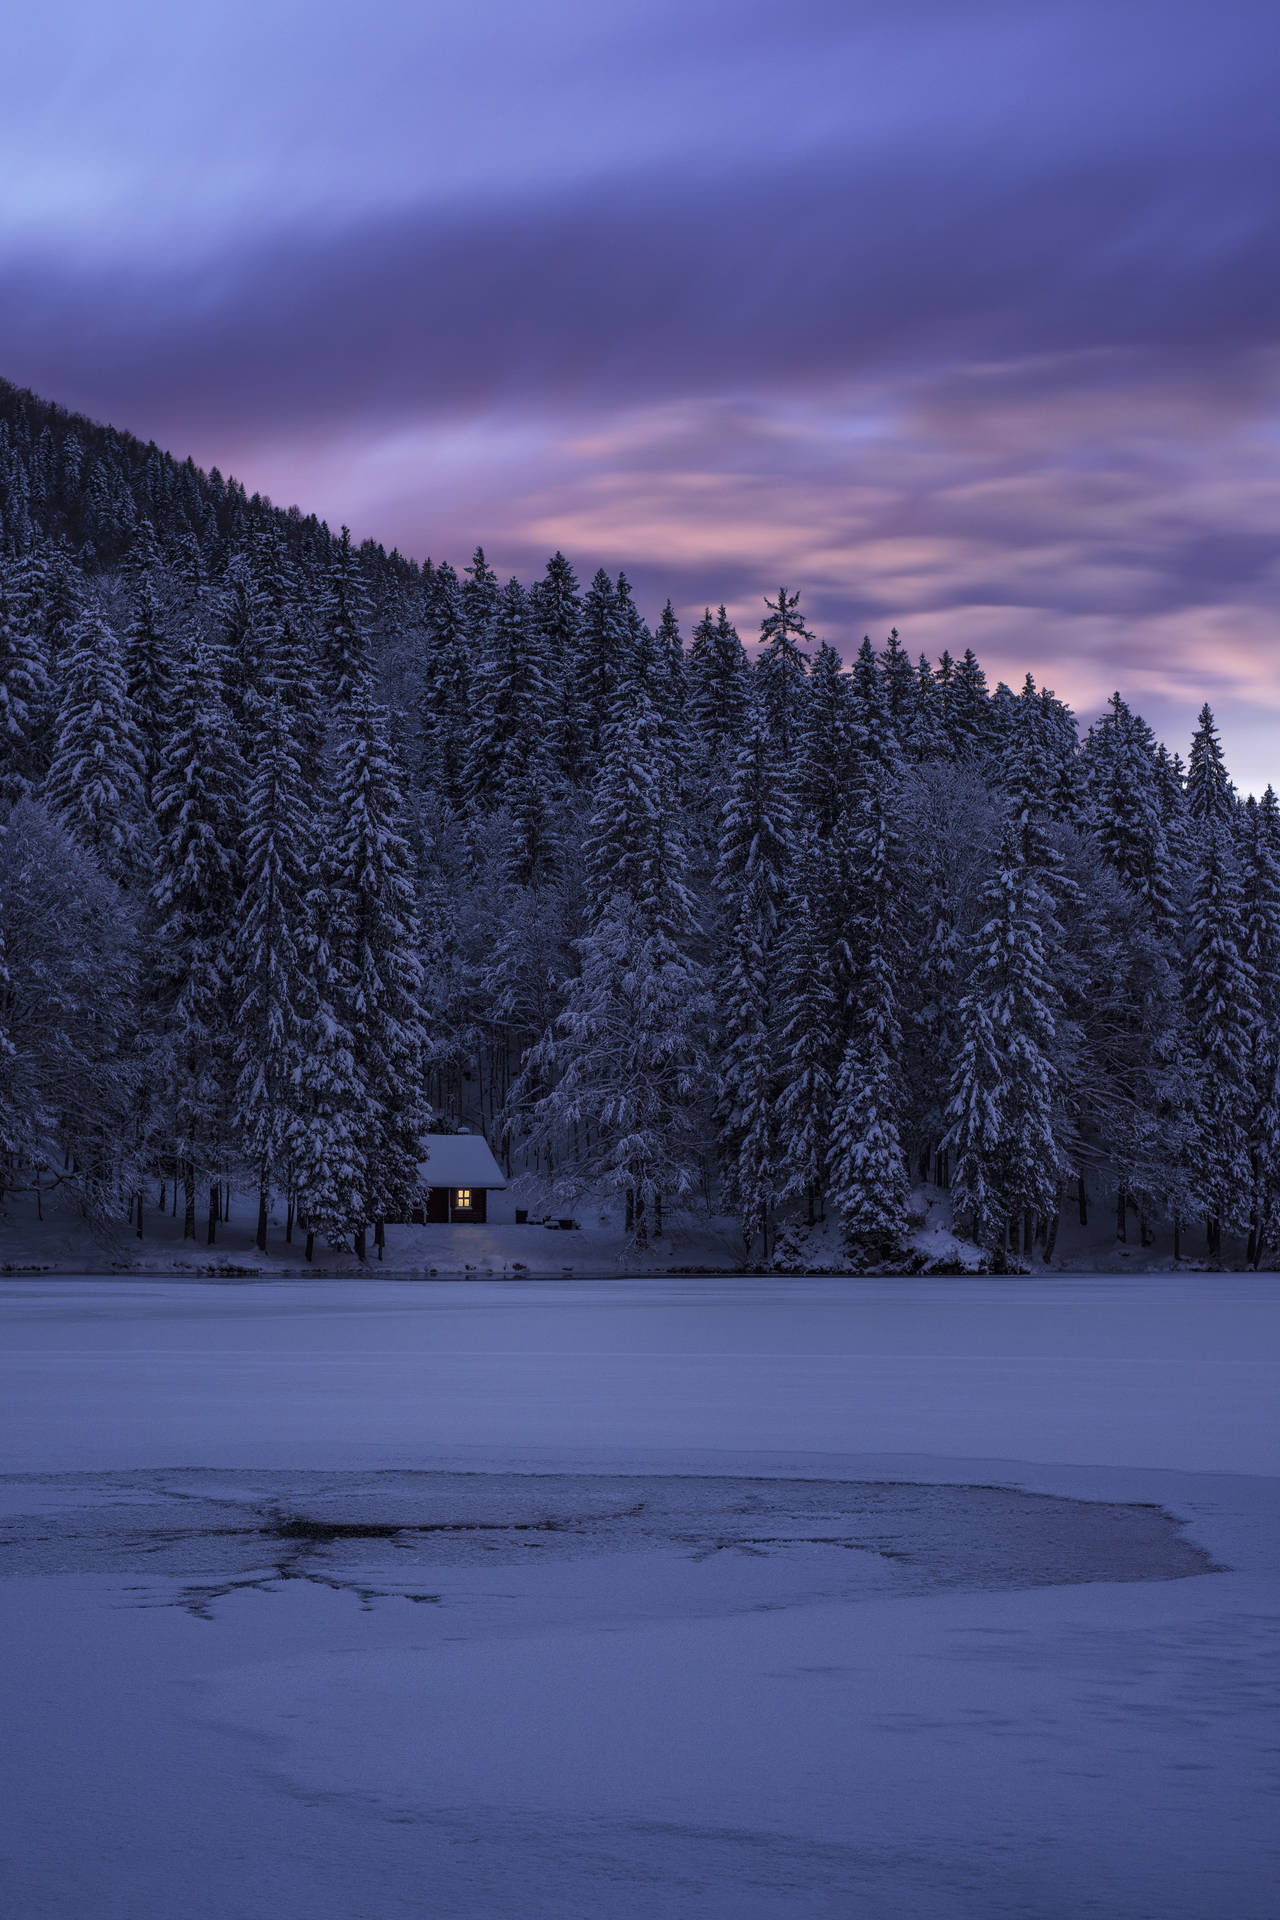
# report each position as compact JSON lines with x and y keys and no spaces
{"x":459,"y":1160}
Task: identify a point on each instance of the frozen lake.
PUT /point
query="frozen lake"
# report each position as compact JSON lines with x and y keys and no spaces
{"x":734,"y":1598}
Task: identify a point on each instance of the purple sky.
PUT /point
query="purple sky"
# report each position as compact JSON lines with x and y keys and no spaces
{"x":960,"y":316}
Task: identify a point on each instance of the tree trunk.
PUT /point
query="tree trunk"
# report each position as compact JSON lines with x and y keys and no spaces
{"x":213,"y":1212}
{"x":1082,"y":1201}
{"x":379,"y":1236}
{"x":1122,"y":1224}
{"x":1051,"y":1237}
{"x":1177,"y":1238}
{"x":360,"y":1243}
{"x":288,"y":1223}
{"x":1145,"y":1235}
{"x":657,"y":1216}
{"x":311,"y":1244}
{"x":139,"y":1213}
{"x":188,"y":1201}
{"x":262,"y":1217}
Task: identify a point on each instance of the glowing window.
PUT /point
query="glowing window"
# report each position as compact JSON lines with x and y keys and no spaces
{"x":462,"y":1196}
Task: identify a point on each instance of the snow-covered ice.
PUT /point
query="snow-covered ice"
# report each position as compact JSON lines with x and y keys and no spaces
{"x":718,"y":1598}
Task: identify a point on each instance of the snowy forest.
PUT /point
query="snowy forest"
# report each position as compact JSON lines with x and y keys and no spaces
{"x":309,"y":850}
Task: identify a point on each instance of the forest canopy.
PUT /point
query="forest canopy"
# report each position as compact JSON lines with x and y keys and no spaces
{"x":308,"y":849}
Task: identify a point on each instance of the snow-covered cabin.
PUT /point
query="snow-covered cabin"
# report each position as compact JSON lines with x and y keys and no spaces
{"x":456,"y":1178}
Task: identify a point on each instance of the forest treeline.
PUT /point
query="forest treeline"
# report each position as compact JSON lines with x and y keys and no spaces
{"x":308,"y":849}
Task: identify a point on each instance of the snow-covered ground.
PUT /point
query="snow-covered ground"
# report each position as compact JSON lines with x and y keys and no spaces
{"x":359,"y":1600}
{"x":596,"y":1244}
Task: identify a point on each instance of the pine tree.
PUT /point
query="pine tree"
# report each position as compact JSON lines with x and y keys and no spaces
{"x":629,"y":1061}
{"x":602,"y":642}
{"x":1260,"y":861}
{"x":1223,"y":1013}
{"x":197,"y":797}
{"x":24,"y":687}
{"x":327,"y":1143}
{"x":444,"y":702}
{"x":1005,"y":1089}
{"x":556,"y":606}
{"x":97,"y":769}
{"x":371,"y":913}
{"x":510,"y":703}
{"x":269,"y":938}
{"x":626,"y":1062}
{"x":823,"y":759}
{"x":669,"y":659}
{"x":807,"y":1020}
{"x":148,"y":650}
{"x":479,"y":594}
{"x":968,"y":709}
{"x":925,"y":737}
{"x":1211,"y":798}
{"x":347,"y":616}
{"x":868,"y":1170}
{"x":718,"y":697}
{"x":751,"y":878}
{"x":782,"y":667}
{"x":900,"y":687}
{"x":1125,"y":813}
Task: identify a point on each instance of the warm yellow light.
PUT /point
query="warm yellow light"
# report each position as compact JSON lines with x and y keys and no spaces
{"x":462,"y":1196}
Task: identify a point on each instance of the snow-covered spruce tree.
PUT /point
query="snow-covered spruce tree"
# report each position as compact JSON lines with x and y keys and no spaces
{"x":899,"y":678}
{"x":68,"y":1059}
{"x":670,"y":661}
{"x":534,"y":835}
{"x":822,"y":762}
{"x":600,"y":654}
{"x":626,"y":1060}
{"x":246,"y":626}
{"x":807,"y":1022}
{"x":1260,"y":867}
{"x":718,"y":688}
{"x":370,"y":910}
{"x":1222,"y":1018}
{"x":925,"y":736}
{"x":556,"y":606}
{"x":1211,"y":798}
{"x":269,"y":940}
{"x":1006,"y":1154}
{"x":149,"y":648}
{"x":756,"y":835}
{"x":968,"y":708}
{"x":782,"y":667}
{"x":24,"y":686}
{"x":1033,"y":754}
{"x":97,"y":771}
{"x":867,"y":1166}
{"x":444,"y":697}
{"x":948,"y":821}
{"x":197,"y":795}
{"x":480,"y":592}
{"x":347,"y":615}
{"x":510,"y":703}
{"x":327,"y":1144}
{"x":1124,"y":811}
